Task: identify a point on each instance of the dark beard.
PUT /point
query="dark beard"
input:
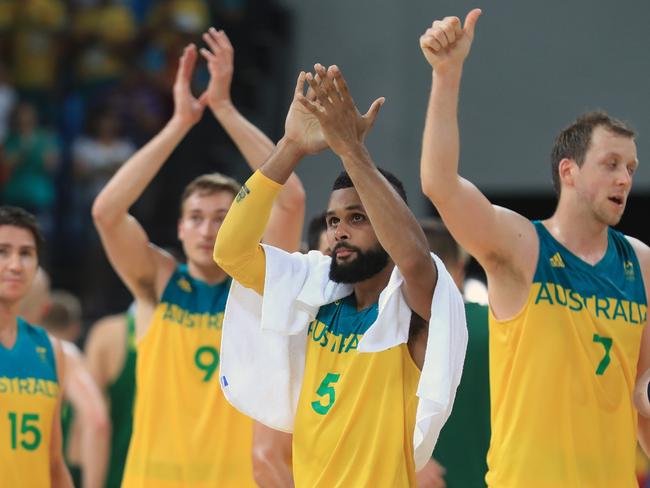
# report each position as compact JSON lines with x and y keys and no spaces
{"x":366,"y":265}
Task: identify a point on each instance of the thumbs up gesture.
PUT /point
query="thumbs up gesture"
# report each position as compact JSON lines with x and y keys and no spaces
{"x":446,"y":43}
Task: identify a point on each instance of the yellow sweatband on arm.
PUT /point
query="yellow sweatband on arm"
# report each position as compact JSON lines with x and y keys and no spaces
{"x":237,"y":249}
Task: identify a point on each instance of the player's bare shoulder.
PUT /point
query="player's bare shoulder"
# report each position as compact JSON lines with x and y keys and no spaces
{"x":513,"y":254}
{"x":642,"y":251}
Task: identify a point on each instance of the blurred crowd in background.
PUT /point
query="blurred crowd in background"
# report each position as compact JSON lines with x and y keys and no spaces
{"x":84,"y":83}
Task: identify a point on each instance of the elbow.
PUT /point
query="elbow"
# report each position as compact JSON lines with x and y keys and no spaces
{"x":101,"y":427}
{"x":101,"y":212}
{"x":96,"y":423}
{"x":224,"y":254}
{"x":431,"y":190}
{"x":439,"y":186}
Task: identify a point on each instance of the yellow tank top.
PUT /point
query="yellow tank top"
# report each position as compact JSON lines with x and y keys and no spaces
{"x":29,"y":391}
{"x":185,"y":433}
{"x":356,"y":413}
{"x":562,"y":373}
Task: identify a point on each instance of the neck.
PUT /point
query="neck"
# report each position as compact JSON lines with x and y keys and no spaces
{"x":209,"y":274}
{"x":367,"y":292}
{"x":579,"y":232}
{"x":8,"y":324}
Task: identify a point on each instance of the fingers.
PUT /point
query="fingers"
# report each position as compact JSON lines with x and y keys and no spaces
{"x":321,"y":95}
{"x":341,"y":84}
{"x":373,"y":111}
{"x":470,"y":22}
{"x":186,"y":65}
{"x":327,"y":82}
{"x":313,"y":107}
{"x":446,"y":32}
{"x":300,"y":85}
{"x":427,"y":41}
{"x":219,"y":44}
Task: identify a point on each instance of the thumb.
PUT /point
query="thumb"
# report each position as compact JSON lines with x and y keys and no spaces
{"x":372,"y":112}
{"x":470,"y":22}
{"x":203,"y":99}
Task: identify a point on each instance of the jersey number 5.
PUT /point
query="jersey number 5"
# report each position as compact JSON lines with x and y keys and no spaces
{"x":325,"y":389}
{"x":607,"y":344}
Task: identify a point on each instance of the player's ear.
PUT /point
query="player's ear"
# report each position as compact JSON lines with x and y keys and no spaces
{"x":567,"y":171}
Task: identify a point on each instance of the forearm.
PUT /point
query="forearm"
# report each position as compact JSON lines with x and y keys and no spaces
{"x":134,"y":176}
{"x":256,"y":148}
{"x":440,"y":141}
{"x":251,"y":142}
{"x":237,"y":249}
{"x":95,"y":453}
{"x":643,"y":434}
{"x":59,"y":474}
{"x":386,"y":210}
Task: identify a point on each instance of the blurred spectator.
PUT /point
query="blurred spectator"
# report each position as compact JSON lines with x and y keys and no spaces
{"x":31,"y":157}
{"x":7,"y":100}
{"x":38,"y":25}
{"x":104,"y":34}
{"x":140,"y":105}
{"x":7,"y":20}
{"x":171,"y":25}
{"x":98,"y":155}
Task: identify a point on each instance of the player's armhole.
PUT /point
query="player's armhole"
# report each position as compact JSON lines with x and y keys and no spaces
{"x":59,"y":361}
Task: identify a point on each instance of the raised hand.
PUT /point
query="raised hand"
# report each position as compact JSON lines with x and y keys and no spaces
{"x":446,"y":43}
{"x":220,"y":58}
{"x":342,"y":125}
{"x":301,"y":126}
{"x":187,"y":109}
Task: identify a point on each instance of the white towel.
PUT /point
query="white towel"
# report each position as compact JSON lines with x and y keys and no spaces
{"x":264,"y":341}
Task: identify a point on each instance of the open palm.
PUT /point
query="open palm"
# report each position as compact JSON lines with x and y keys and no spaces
{"x":301,"y":125}
{"x":187,"y":108}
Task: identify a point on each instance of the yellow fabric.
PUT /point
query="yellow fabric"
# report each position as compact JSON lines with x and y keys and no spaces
{"x":27,"y":405}
{"x":112,"y":24}
{"x":237,"y":249}
{"x":35,"y":47}
{"x":185,"y":433}
{"x":371,"y":403}
{"x":583,"y":428}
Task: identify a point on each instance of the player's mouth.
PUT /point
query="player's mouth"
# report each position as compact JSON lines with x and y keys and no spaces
{"x":343,"y":252}
{"x":617,"y":200}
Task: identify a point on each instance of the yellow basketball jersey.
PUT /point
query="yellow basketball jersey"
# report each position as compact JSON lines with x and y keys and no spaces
{"x":562,"y":373}
{"x":29,"y":392}
{"x":356,"y":412}
{"x":185,"y":433}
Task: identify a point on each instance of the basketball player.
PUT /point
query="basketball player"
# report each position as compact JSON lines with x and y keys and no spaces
{"x":31,"y":367}
{"x":567,"y":298}
{"x":184,"y":432}
{"x":85,"y":430}
{"x":111,"y":357}
{"x":463,"y":443}
{"x":355,"y":416}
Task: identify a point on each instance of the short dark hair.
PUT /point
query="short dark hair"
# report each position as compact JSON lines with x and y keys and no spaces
{"x":208,"y":184}
{"x":441,"y":242}
{"x":316,"y":227}
{"x":343,"y":180}
{"x":19,"y":217}
{"x":573,"y":142}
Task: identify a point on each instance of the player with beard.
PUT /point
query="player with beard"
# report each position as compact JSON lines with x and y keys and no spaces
{"x":567,"y":296}
{"x":355,"y":413}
